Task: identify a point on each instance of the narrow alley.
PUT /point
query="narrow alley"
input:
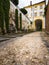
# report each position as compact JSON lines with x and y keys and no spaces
{"x":29,"y":49}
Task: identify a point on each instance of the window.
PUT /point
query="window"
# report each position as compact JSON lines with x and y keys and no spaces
{"x":41,"y":7}
{"x":35,"y":14}
{"x":41,"y":13}
{"x":31,"y":9}
{"x":35,"y":6}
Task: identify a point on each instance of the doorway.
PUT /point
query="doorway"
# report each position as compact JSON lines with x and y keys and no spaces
{"x":38,"y":24}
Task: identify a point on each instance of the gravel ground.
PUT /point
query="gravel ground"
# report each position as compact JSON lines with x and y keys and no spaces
{"x":27,"y":50}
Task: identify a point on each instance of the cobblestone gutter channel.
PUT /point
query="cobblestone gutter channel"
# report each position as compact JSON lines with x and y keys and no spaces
{"x":26,"y":50}
{"x":45,"y":38}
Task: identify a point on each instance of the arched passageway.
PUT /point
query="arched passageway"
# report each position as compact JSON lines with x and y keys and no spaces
{"x":38,"y":24}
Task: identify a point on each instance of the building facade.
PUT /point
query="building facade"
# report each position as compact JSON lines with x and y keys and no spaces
{"x":36,"y":15}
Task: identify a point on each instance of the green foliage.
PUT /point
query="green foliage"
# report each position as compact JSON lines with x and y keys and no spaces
{"x":4,"y":14}
{"x":1,"y":16}
{"x":23,"y":10}
{"x":6,"y":4}
{"x":16,"y":2}
{"x":16,"y":19}
{"x":6,"y":7}
{"x":45,"y":9}
{"x":20,"y":21}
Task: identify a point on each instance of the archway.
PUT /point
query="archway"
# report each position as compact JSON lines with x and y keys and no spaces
{"x":38,"y":24}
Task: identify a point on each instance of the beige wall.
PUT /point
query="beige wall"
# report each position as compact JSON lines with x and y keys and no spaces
{"x":37,"y":10}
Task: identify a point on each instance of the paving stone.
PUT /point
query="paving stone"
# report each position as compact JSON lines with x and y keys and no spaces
{"x":27,"y":50}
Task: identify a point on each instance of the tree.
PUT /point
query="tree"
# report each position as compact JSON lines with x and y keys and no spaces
{"x":6,"y":7}
{"x":15,"y":2}
{"x":45,"y":9}
{"x":1,"y":16}
{"x":4,"y":14}
{"x":23,"y":10}
{"x":16,"y":19}
{"x":20,"y":21}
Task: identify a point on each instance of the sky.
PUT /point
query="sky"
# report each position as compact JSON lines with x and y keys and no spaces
{"x":23,"y":3}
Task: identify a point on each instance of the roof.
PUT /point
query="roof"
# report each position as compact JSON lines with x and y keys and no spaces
{"x":35,"y":4}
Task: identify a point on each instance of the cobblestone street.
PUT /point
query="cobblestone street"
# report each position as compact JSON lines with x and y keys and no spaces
{"x":29,"y":49}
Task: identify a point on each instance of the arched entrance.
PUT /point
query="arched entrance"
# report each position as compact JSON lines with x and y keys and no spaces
{"x":38,"y":24}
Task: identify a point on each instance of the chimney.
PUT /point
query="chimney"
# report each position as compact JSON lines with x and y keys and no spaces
{"x":30,"y":2}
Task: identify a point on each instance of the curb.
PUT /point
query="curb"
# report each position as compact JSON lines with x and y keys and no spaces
{"x":4,"y":40}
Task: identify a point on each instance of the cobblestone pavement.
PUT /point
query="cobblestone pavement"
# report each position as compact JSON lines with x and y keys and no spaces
{"x":9,"y":36}
{"x":45,"y":38}
{"x":27,"y":50}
